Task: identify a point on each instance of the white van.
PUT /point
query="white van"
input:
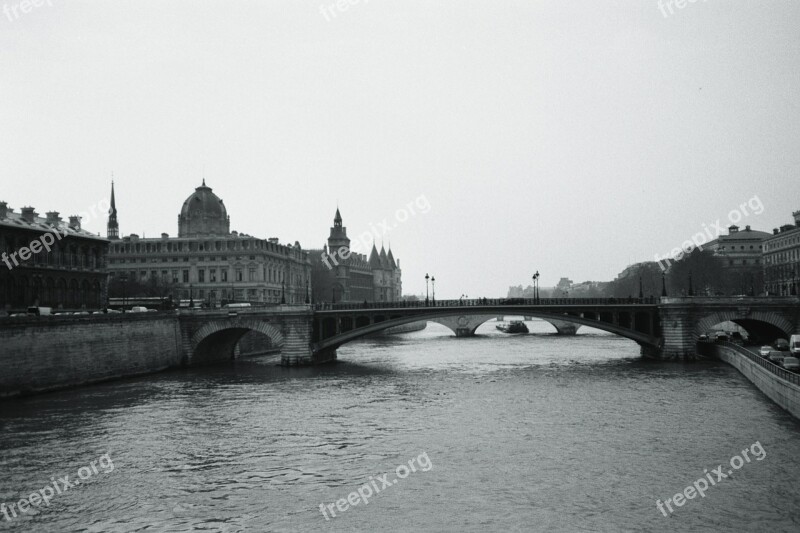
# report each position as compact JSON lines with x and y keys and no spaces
{"x":40,"y":311}
{"x":139,"y":309}
{"x":794,"y":345}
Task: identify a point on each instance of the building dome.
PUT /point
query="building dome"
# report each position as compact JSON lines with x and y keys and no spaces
{"x":203,"y":213}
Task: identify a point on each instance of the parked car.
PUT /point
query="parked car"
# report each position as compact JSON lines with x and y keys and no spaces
{"x":791,"y":363}
{"x":781,"y":345}
{"x":737,"y":338}
{"x":40,"y":311}
{"x":776,"y":357}
{"x":765,"y":351}
{"x":720,"y":336}
{"x":138,"y":309}
{"x":794,"y":345}
{"x":703,"y":338}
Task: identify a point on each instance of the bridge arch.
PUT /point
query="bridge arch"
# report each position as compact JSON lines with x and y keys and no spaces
{"x":764,"y":325}
{"x":217,"y":340}
{"x":644,"y":337}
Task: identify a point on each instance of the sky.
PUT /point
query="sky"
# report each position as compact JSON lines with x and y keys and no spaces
{"x":483,"y":140}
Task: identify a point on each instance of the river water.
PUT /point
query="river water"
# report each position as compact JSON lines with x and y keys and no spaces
{"x":507,"y":433}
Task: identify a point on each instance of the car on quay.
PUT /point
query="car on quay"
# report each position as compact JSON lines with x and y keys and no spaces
{"x":776,"y":357}
{"x":765,"y":351}
{"x":794,"y":345}
{"x":791,"y":363}
{"x":720,"y":336}
{"x":781,"y":345}
{"x":703,"y":338}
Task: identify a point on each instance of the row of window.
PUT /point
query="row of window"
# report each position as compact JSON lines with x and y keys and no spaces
{"x":214,"y":276}
{"x":197,"y":246}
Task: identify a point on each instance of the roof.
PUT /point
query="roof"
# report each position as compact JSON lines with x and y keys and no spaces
{"x":15,"y":220}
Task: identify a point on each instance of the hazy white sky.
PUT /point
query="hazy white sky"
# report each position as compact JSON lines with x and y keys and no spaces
{"x":569,"y":137}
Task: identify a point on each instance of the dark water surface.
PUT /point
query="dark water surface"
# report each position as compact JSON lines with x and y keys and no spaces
{"x":525,"y":433}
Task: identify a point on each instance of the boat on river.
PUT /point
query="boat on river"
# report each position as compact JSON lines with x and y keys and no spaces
{"x":514,"y":326}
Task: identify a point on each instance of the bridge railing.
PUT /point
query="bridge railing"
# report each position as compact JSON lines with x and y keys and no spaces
{"x":475,"y":302}
{"x":782,"y":373}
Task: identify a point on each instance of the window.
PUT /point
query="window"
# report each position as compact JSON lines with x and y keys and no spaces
{"x":186,"y":276}
{"x":201,"y":276}
{"x":252,"y":274}
{"x":224,"y":274}
{"x":174,"y":276}
{"x":239,"y":274}
{"x":212,"y":275}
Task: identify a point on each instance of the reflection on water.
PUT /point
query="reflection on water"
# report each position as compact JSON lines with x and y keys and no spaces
{"x":526,"y":433}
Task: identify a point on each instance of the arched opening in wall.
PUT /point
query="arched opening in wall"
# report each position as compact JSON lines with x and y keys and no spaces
{"x":221,"y":345}
{"x":254,"y":343}
{"x":750,"y":332}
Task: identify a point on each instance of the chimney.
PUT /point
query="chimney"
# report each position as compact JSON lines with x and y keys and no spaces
{"x":53,"y":219}
{"x":165,"y":235}
{"x":796,"y":215}
{"x":774,"y":231}
{"x":733,"y":229}
{"x":75,"y":222}
{"x":747,"y":228}
{"x":3,"y":210}
{"x":28,"y":215}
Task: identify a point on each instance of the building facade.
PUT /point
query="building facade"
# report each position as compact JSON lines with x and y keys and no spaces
{"x":50,"y":263}
{"x":341,"y":275}
{"x":782,"y":259}
{"x":741,"y":253}
{"x":209,"y":263}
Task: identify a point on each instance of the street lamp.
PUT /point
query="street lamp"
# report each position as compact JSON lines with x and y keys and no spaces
{"x":283,"y":292}
{"x":191,"y":297}
{"x":427,"y":277}
{"x":308,"y":301}
{"x":691,"y":289}
{"x":641,"y":292}
{"x":536,"y":287}
{"x":663,"y":284}
{"x":433,"y":290}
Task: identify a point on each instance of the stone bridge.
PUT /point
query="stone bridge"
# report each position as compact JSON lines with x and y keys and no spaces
{"x":39,"y":353}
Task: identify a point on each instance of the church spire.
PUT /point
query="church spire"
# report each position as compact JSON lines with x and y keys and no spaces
{"x":112,"y":229}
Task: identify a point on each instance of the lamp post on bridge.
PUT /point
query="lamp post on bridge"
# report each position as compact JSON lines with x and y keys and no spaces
{"x":663,"y":284}
{"x":641,"y":292}
{"x":536,"y":287}
{"x":191,"y":296}
{"x":433,"y":290}
{"x":308,"y":300}
{"x":283,"y":292}
{"x":427,"y":277}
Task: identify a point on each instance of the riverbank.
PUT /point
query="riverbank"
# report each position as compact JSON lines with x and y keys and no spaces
{"x":781,"y":386}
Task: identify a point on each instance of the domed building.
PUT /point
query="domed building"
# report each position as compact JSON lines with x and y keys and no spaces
{"x":203,"y":213}
{"x":208,"y":263}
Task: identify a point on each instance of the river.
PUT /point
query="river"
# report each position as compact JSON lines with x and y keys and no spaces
{"x":506,"y":433}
